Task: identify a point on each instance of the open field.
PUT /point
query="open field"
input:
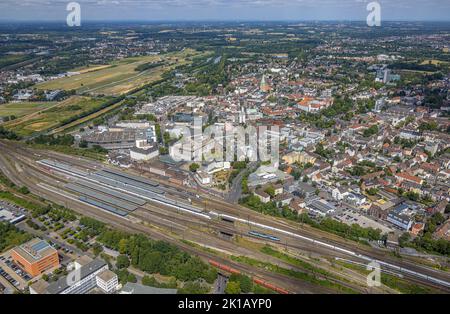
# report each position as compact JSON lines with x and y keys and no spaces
{"x":121,"y":76}
{"x":92,"y":68}
{"x":20,"y":109}
{"x":53,"y":116}
{"x":433,"y":62}
{"x":72,"y":125}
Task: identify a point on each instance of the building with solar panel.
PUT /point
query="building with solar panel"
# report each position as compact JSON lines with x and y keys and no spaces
{"x":35,"y":257}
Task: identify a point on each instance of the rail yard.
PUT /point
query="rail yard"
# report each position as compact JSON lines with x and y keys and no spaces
{"x":138,"y":204}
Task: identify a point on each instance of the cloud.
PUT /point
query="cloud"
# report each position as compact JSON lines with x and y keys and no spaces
{"x":194,"y":9}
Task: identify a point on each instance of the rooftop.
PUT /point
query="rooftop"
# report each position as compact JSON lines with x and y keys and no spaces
{"x":106,"y":275}
{"x":134,"y":288}
{"x":34,"y":250}
{"x":62,"y":284}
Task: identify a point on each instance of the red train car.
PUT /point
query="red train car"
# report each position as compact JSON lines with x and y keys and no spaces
{"x":224,"y":267}
{"x":270,"y":286}
{"x":255,"y":280}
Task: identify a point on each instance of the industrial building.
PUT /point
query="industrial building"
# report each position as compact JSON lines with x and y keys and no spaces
{"x":35,"y":257}
{"x":120,"y":138}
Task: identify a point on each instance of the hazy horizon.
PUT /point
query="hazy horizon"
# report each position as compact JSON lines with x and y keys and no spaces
{"x":224,"y":10}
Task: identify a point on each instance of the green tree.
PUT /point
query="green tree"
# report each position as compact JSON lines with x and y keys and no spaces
{"x":193,"y":288}
{"x":97,"y":249}
{"x":158,"y":133}
{"x":270,"y":190}
{"x":123,"y":244}
{"x":194,"y":167}
{"x":404,"y":239}
{"x":233,"y":287}
{"x":122,"y":261}
{"x":245,"y":282}
{"x":24,"y":190}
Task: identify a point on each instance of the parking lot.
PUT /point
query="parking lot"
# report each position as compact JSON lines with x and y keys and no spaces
{"x":11,"y":213}
{"x":12,"y":273}
{"x":350,"y":217}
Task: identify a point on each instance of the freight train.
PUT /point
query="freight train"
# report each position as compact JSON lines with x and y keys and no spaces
{"x":255,"y":280}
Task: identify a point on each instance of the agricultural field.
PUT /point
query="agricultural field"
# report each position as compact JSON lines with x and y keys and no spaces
{"x":121,"y":76}
{"x":20,"y":109}
{"x":52,"y":117}
{"x":434,"y":62}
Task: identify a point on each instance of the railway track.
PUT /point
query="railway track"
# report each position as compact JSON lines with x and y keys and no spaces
{"x":229,"y":209}
{"x":292,"y":285}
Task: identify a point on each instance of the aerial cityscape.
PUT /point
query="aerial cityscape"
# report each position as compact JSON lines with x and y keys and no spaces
{"x":217,"y":153}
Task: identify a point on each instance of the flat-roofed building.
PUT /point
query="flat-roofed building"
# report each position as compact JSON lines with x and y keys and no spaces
{"x":399,"y":218}
{"x":107,"y":281}
{"x":81,"y":280}
{"x":144,"y":153}
{"x":35,"y":257}
{"x":320,"y":207}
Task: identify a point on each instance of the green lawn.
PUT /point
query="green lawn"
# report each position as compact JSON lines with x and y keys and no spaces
{"x":21,"y":109}
{"x":52,"y":117}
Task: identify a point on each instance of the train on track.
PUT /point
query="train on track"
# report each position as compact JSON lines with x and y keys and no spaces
{"x":153,"y":195}
{"x":256,"y":280}
{"x":263,"y":236}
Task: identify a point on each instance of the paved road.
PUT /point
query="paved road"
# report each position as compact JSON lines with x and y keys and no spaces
{"x":227,"y":208}
{"x":221,"y":284}
{"x":236,"y":187}
{"x":293,"y":285}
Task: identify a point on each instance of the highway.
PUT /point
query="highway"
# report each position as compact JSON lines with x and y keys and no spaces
{"x":292,"y":235}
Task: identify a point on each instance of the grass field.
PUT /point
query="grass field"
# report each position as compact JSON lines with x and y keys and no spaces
{"x":53,"y":116}
{"x":21,"y":109}
{"x":433,"y":62}
{"x":92,"y":68}
{"x":120,"y":77}
{"x":88,"y":118}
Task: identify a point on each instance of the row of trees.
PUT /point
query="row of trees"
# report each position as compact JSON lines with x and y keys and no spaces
{"x":63,"y":140}
{"x":10,"y":236}
{"x":9,"y":135}
{"x":239,"y":283}
{"x":157,"y":256}
{"x":148,"y":66}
